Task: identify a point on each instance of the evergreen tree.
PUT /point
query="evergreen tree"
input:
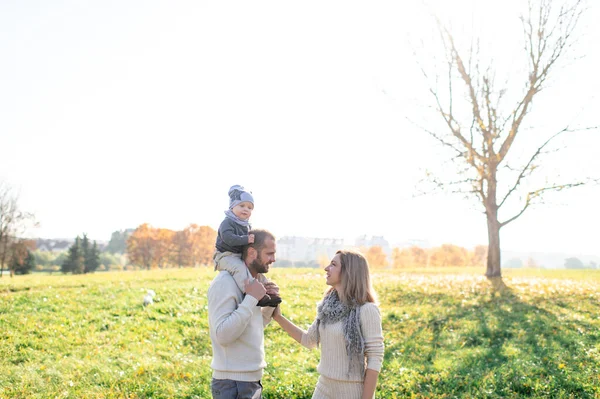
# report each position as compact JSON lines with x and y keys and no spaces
{"x":92,"y":259}
{"x":75,"y":259}
{"x":29,"y":264}
{"x":85,"y":245}
{"x":85,"y":251}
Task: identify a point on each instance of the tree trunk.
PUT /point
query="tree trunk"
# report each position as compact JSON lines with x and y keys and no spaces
{"x":491,"y":208}
{"x":2,"y":257}
{"x":493,"y":258}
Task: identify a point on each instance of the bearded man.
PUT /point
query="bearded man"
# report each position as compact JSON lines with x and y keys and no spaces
{"x":237,"y":324}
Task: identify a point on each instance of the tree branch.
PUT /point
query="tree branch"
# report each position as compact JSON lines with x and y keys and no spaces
{"x":467,"y":79}
{"x":567,"y":19}
{"x":532,"y":195}
{"x":528,"y":167}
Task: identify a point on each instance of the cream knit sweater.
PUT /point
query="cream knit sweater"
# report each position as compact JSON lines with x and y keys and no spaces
{"x":236,"y":327}
{"x":334,"y":360}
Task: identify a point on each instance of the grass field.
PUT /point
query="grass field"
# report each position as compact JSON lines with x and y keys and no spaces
{"x":448,"y":333}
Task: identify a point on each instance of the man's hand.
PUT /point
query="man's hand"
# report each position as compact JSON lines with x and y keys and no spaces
{"x":255,"y":288}
{"x":272,"y":288}
{"x":251,"y":239}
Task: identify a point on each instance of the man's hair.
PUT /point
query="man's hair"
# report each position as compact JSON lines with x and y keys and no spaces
{"x":260,"y":235}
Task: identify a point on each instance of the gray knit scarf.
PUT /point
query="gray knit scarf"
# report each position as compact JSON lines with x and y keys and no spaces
{"x":331,"y":310}
{"x":231,"y":216}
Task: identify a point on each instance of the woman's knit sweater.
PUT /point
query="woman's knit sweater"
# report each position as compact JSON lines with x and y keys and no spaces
{"x":334,"y":362}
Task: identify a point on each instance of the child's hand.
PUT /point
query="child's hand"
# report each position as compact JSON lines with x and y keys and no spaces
{"x":251,"y":239}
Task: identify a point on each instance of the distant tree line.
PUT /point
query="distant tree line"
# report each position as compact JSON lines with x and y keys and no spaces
{"x":576,"y":263}
{"x":414,"y":256}
{"x":52,"y":261}
{"x":152,"y":247}
{"x":444,"y":255}
{"x":144,"y":247}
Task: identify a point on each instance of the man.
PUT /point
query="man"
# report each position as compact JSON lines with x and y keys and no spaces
{"x":237,"y":324}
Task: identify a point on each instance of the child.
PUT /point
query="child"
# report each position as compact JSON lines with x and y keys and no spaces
{"x":233,"y":236}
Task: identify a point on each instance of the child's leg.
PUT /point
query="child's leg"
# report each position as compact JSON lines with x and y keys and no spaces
{"x":233,"y":264}
{"x":261,"y":278}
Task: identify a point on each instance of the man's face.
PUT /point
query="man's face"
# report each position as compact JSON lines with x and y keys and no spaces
{"x":265,"y":257}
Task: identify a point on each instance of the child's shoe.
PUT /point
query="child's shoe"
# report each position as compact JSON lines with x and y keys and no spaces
{"x":269,"y":300}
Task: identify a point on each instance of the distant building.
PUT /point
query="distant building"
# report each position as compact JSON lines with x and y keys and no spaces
{"x":374,"y":241}
{"x":60,"y":244}
{"x":313,"y":249}
{"x":307,"y":249}
{"x":292,"y":248}
{"x":415,"y":242}
{"x":52,"y":245}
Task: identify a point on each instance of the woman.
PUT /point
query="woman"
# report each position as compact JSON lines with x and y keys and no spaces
{"x":348,"y":329}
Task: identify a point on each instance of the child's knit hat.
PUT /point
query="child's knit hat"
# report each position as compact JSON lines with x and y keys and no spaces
{"x":237,"y":195}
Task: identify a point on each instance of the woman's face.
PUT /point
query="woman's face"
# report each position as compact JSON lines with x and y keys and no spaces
{"x":334,"y":271}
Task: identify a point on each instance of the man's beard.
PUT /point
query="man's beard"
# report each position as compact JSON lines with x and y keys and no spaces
{"x":259,"y":267}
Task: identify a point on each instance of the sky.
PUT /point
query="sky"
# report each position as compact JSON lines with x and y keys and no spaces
{"x":118,"y":113}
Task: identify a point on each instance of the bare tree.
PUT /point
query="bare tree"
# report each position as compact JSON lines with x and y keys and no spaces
{"x":480,"y":129}
{"x":13,"y":223}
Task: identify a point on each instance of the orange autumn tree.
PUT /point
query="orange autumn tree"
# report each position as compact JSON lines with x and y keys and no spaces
{"x":442,"y":256}
{"x":413,"y":256}
{"x":479,"y":255}
{"x":158,"y":247}
{"x":449,"y":255}
{"x":204,"y":238}
{"x":183,"y":248}
{"x":375,"y":256}
{"x":194,"y":245}
{"x":141,"y":246}
{"x":163,"y":252}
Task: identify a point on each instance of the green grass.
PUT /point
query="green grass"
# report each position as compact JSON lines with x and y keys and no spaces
{"x":448,"y":333}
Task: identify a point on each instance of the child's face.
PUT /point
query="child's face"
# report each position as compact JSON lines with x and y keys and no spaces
{"x":243,"y":210}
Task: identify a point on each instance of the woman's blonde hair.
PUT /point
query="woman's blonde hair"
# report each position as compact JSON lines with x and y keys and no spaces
{"x":356,"y":279}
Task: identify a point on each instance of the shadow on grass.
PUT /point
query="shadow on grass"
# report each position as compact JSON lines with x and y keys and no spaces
{"x":497,"y":346}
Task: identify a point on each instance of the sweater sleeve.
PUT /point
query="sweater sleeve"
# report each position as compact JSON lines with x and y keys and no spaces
{"x":370,"y":323}
{"x":227,"y":318}
{"x":309,"y":338}
{"x":230,"y":236}
{"x":267,"y":314}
